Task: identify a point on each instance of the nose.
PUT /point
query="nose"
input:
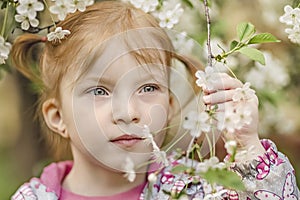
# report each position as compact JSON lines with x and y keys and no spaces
{"x":125,"y":110}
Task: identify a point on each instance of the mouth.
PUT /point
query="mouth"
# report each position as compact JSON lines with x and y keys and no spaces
{"x":126,"y":140}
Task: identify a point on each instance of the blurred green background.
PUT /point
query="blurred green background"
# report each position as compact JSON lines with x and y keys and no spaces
{"x":23,"y":152}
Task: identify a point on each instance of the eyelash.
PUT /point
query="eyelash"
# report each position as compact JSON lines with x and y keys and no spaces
{"x":152,"y":86}
{"x":95,"y":90}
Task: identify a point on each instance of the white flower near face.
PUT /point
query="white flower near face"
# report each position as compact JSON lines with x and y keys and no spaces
{"x":26,"y":21}
{"x":82,"y":4}
{"x":4,"y":50}
{"x":291,"y":16}
{"x":29,"y":7}
{"x":62,"y":7}
{"x":294,"y":34}
{"x":58,"y":34}
{"x":230,"y":146}
{"x":145,"y":5}
{"x":244,"y":93}
{"x":206,"y":79}
{"x":197,"y":123}
{"x":169,"y":14}
{"x":159,"y":156}
{"x":128,"y":168}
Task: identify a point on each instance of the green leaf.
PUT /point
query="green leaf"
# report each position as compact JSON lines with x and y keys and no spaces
{"x":189,"y":3}
{"x":224,"y":177}
{"x":245,"y":30}
{"x":179,"y":169}
{"x":233,"y":44}
{"x":253,"y":54}
{"x":263,"y":38}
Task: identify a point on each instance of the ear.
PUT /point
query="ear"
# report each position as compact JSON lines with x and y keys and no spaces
{"x":53,"y":117}
{"x":172,"y":107}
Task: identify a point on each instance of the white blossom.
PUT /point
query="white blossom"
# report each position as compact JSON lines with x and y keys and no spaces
{"x":62,"y":7}
{"x":128,"y":168}
{"x":227,"y":120}
{"x":230,"y":146}
{"x":206,"y":79}
{"x":4,"y":50}
{"x":244,"y":93}
{"x":169,"y":14}
{"x":160,"y":156}
{"x":294,"y":34}
{"x":58,"y":34}
{"x":29,"y":7}
{"x":234,"y":117}
{"x":211,"y":163}
{"x":197,"y":123}
{"x":26,"y":21}
{"x":243,"y":112}
{"x":152,"y":178}
{"x":291,"y":16}
{"x":145,"y":5}
{"x":82,"y":4}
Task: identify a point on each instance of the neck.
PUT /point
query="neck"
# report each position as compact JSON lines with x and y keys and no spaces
{"x":92,"y":179}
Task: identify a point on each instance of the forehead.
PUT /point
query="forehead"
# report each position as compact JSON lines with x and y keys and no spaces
{"x":126,"y":67}
{"x":144,"y":45}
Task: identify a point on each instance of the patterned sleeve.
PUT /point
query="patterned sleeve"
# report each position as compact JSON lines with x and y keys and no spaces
{"x":270,"y":176}
{"x":34,"y":190}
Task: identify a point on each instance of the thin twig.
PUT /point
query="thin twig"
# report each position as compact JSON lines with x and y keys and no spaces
{"x":209,"y":53}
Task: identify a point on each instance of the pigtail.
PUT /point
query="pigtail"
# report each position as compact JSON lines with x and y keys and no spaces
{"x":25,"y":56}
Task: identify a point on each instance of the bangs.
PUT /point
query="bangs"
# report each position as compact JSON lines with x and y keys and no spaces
{"x":148,"y":46}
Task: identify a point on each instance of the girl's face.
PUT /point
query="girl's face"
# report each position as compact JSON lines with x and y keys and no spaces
{"x":106,"y":110}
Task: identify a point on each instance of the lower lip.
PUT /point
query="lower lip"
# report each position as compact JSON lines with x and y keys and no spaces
{"x":127,"y":143}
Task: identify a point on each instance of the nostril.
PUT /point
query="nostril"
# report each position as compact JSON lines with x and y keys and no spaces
{"x":135,"y":120}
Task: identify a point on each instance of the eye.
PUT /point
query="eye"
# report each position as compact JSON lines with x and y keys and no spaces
{"x":98,"y":91}
{"x":149,"y":88}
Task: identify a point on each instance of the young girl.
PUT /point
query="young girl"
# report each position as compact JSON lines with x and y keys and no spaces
{"x":105,"y":84}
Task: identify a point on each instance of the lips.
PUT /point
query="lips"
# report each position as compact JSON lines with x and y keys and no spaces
{"x":126,"y":140}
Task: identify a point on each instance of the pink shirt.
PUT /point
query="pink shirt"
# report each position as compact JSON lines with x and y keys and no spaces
{"x":52,"y":177}
{"x":134,"y":193}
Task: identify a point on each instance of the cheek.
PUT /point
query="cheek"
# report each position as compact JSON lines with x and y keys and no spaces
{"x":157,"y":119}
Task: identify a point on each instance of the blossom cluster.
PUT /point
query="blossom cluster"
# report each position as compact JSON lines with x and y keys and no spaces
{"x":27,"y":10}
{"x":27,"y":15}
{"x":291,"y":17}
{"x":235,"y":115}
{"x":168,"y":14}
{"x":4,"y":50}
